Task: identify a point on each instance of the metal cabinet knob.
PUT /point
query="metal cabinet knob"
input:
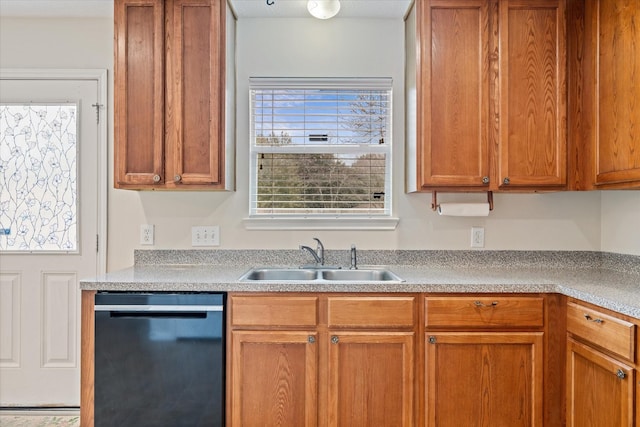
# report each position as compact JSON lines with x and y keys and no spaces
{"x":506,"y":181}
{"x":177,"y":178}
{"x":620,"y":374}
{"x":311,"y":339}
{"x":156,"y":178}
{"x":432,"y":339}
{"x":485,"y":179}
{"x":335,"y":339}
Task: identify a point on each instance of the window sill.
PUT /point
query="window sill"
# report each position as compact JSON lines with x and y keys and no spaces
{"x":302,"y":223}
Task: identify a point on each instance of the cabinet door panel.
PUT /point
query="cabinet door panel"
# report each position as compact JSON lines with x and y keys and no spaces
{"x":454,"y":93}
{"x":484,"y":379}
{"x":139,"y":92}
{"x":371,"y":377}
{"x":617,"y":38}
{"x":274,"y":379}
{"x":533,"y":142}
{"x":596,"y":395}
{"x":195,"y":108}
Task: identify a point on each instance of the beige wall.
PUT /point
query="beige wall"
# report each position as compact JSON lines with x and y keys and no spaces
{"x":306,"y":47}
{"x":621,"y":222}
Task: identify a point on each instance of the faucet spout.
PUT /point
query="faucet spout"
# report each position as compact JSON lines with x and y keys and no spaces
{"x":320,"y":250}
{"x":313,"y":253}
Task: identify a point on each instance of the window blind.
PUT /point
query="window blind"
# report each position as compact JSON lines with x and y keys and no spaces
{"x":320,"y":148}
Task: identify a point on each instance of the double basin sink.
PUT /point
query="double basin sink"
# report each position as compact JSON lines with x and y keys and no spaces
{"x":319,"y":274}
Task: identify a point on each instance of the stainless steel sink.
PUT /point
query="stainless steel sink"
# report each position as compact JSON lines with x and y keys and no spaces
{"x":364,"y":275}
{"x":263,"y":274}
{"x":280,"y":274}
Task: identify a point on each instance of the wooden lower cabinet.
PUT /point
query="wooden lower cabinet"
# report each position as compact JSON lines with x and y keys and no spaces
{"x":600,"y":389}
{"x":637,"y":417}
{"x":484,"y":379}
{"x":342,"y":372}
{"x":371,"y":379}
{"x":601,"y":375}
{"x":274,"y":378}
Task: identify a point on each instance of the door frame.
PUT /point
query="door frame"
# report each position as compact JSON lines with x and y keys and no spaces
{"x":100,"y":77}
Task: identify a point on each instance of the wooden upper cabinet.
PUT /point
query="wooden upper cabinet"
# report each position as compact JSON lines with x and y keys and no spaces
{"x":612,"y":64}
{"x":533,"y":93}
{"x":170,"y":94}
{"x":454,"y":93}
{"x":139,"y":92}
{"x":491,"y":94}
{"x":195,"y":95}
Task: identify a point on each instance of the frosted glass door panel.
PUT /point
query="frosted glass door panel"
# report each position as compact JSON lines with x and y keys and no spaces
{"x":38,"y":177}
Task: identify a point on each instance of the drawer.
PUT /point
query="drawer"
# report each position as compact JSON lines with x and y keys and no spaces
{"x":599,"y":328}
{"x":484,"y":312}
{"x":371,"y":312}
{"x":273,"y":311}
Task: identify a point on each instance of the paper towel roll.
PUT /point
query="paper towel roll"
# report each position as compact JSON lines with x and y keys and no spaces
{"x":463,"y":209}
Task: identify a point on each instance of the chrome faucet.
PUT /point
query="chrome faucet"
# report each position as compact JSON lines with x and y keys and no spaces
{"x":318,"y":254}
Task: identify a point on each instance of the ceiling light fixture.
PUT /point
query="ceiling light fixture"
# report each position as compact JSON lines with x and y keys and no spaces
{"x":323,"y":9}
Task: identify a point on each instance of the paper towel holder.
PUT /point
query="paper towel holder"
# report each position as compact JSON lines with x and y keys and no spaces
{"x":434,"y":200}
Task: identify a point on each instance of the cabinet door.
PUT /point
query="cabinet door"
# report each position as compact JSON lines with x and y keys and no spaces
{"x":274,"y":379}
{"x":612,"y":29}
{"x":484,"y":379}
{"x":139,"y":92}
{"x":532,"y":90}
{"x":195,"y":92}
{"x":599,"y":389}
{"x":453,"y":93}
{"x":371,"y":379}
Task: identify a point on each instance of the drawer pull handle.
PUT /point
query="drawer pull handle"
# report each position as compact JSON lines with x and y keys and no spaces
{"x":591,"y":319}
{"x":481,"y":304}
{"x":620,"y":374}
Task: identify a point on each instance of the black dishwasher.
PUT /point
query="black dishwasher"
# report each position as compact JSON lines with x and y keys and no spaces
{"x":159,"y":359}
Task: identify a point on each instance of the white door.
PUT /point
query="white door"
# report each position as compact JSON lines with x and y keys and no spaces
{"x":49,"y":222}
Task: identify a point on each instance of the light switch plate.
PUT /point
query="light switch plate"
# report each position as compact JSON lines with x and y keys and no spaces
{"x":208,"y":235}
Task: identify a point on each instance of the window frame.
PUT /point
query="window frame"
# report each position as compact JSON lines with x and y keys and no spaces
{"x":382,"y":220}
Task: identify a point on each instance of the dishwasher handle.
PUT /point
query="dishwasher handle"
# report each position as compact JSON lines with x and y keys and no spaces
{"x":158,"y":308}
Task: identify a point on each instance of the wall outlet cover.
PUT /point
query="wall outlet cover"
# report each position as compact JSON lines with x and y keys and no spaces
{"x":146,"y":234}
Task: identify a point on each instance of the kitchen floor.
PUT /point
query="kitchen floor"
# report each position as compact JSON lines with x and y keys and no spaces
{"x":39,"y":420}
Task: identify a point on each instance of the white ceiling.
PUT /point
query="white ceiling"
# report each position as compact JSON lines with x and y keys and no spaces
{"x":243,"y":8}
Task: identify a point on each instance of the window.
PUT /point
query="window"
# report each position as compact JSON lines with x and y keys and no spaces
{"x":38,"y":177}
{"x":320,"y":148}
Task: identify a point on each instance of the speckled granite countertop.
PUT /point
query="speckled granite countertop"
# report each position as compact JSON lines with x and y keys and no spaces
{"x":608,"y":280}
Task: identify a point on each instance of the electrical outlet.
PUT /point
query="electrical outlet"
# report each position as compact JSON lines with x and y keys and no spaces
{"x":208,"y":235}
{"x":146,"y":234}
{"x":477,"y":237}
